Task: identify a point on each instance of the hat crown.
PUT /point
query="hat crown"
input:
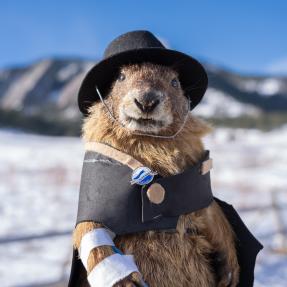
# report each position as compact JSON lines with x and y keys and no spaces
{"x":132,"y":41}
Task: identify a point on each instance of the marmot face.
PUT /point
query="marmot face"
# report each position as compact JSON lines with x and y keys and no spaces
{"x":148,"y":98}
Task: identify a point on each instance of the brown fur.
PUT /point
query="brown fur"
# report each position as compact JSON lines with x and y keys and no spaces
{"x":165,"y":259}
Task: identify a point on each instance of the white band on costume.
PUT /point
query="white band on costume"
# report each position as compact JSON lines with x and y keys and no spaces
{"x":111,"y":270}
{"x":95,"y":238}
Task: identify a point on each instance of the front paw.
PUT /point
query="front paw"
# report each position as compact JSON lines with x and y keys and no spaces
{"x":133,"y":280}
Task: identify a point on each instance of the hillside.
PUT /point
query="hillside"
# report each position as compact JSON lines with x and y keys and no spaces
{"x":42,"y":97}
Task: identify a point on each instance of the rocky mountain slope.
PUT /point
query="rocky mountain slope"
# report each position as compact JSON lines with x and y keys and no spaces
{"x":42,"y":96}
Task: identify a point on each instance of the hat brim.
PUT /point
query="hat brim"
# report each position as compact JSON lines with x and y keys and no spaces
{"x":192,"y":75}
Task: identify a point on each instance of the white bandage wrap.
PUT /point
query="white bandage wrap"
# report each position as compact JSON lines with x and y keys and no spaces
{"x":111,"y":270}
{"x":95,"y":238}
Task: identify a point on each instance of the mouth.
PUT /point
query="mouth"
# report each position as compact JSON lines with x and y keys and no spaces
{"x":147,"y":125}
{"x":146,"y":122}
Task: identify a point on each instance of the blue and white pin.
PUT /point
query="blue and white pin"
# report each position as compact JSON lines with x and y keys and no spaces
{"x":142,"y":175}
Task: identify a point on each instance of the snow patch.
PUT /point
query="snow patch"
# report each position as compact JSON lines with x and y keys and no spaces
{"x":218,"y":104}
{"x":266,"y":87}
{"x":269,"y":87}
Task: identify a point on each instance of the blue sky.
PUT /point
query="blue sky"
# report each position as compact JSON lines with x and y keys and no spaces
{"x":245,"y":36}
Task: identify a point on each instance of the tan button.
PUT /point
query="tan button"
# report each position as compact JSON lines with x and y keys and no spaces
{"x":155,"y":193}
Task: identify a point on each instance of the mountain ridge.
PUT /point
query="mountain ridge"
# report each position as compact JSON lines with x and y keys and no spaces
{"x":48,"y":89}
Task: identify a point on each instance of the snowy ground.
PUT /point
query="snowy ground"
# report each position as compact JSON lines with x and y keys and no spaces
{"x":39,"y":179}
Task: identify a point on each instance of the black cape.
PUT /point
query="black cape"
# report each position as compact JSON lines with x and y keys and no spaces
{"x":105,"y":187}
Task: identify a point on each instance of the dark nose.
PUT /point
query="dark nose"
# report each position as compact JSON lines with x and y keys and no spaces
{"x":147,"y":102}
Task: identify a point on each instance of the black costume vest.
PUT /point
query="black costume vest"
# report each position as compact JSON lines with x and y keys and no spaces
{"x":107,"y":196}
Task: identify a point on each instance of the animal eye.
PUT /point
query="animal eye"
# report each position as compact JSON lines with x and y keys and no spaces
{"x":121,"y":77}
{"x":174,"y":83}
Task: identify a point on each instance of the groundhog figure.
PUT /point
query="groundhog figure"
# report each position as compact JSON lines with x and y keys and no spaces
{"x":143,"y":112}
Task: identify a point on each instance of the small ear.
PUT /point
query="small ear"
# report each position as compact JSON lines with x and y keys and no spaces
{"x":200,"y":127}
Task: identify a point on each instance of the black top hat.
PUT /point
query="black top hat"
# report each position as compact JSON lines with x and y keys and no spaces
{"x":139,"y":47}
